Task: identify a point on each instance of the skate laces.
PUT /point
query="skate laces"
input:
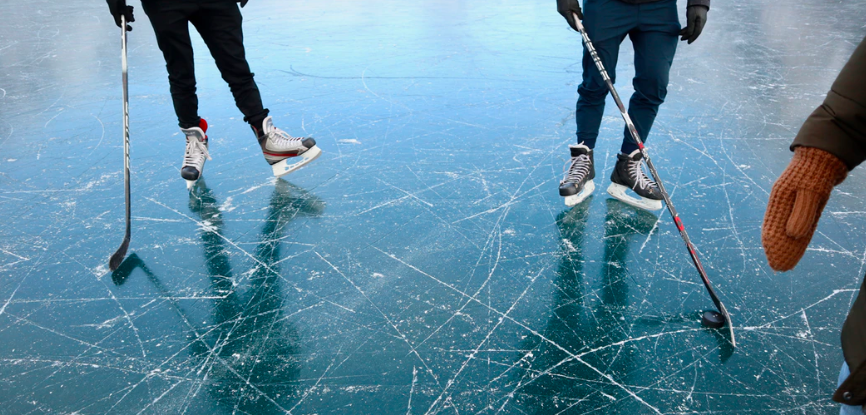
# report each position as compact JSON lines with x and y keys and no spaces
{"x":578,"y":168}
{"x":640,"y":178}
{"x":196,"y":153}
{"x":281,"y":138}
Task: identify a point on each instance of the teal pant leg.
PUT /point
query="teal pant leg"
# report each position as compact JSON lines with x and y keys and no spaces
{"x":607,"y":23}
{"x":655,"y":43}
{"x":652,"y":28}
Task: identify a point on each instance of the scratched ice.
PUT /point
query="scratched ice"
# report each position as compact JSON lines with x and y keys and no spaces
{"x":425,"y":263}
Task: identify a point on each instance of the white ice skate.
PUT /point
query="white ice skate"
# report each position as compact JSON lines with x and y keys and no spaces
{"x":628,"y":175}
{"x":196,"y":153}
{"x":577,"y":184}
{"x":280,"y":149}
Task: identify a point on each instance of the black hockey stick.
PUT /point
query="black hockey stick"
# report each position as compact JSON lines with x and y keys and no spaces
{"x":117,"y":258}
{"x":676,"y":217}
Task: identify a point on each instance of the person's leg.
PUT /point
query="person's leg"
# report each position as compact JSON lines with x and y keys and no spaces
{"x":170,"y":21}
{"x":655,"y":43}
{"x":606,"y":22}
{"x":220,"y":25}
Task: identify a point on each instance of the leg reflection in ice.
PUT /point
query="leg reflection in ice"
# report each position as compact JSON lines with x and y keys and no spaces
{"x":251,"y":353}
{"x":584,"y":320}
{"x":621,"y":224}
{"x":565,"y":383}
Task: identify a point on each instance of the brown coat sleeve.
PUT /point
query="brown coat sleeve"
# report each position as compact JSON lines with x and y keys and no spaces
{"x":838,"y":126}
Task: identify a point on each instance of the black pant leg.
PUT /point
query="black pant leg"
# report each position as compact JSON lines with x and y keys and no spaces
{"x":220,"y":26}
{"x":170,"y":21}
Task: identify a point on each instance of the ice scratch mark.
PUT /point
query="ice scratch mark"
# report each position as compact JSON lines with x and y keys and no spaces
{"x":410,"y":195}
{"x":268,"y":182}
{"x":6,"y":304}
{"x":862,"y":263}
{"x":407,"y":193}
{"x":101,"y":125}
{"x":8,"y":136}
{"x":159,"y":398}
{"x":14,"y":254}
{"x":814,"y":349}
{"x":650,"y":234}
{"x":9,"y":300}
{"x":412,"y":388}
{"x":145,"y":218}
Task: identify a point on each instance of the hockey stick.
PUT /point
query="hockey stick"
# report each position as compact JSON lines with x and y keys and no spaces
{"x":117,"y":258}
{"x":655,"y":174}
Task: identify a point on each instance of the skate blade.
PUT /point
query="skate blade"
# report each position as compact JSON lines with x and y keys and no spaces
{"x":574,"y":200}
{"x":619,"y":192}
{"x":283,"y":167}
{"x":190,"y":184}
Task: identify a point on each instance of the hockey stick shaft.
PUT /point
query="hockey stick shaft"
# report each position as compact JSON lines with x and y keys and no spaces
{"x":676,"y":217}
{"x":125,"y":69}
{"x":118,"y":256}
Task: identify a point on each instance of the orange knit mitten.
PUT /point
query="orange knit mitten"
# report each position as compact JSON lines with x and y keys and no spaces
{"x":796,"y":203}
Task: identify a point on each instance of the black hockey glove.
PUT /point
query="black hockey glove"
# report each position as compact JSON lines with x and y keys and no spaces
{"x":566,"y":8}
{"x":243,"y":2}
{"x":696,"y":18}
{"x":119,"y":8}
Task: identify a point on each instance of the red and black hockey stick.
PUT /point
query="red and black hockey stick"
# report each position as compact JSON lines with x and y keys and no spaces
{"x":709,"y":318}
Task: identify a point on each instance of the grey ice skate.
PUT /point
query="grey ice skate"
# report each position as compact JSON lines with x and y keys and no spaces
{"x":280,"y":149}
{"x":195,"y":155}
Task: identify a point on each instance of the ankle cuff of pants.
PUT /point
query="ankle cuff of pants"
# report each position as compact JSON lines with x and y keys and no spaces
{"x":628,"y":147}
{"x":589,"y":142}
{"x":256,"y":119}
{"x":188,"y":125}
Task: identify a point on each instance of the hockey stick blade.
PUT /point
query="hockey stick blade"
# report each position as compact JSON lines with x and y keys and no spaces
{"x":728,"y":322}
{"x":118,"y":256}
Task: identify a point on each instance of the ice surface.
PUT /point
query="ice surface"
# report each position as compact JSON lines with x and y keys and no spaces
{"x":425,"y":263}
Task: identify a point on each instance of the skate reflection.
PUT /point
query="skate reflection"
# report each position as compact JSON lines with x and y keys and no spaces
{"x":585,"y":319}
{"x":248,"y":354}
{"x":252,"y":352}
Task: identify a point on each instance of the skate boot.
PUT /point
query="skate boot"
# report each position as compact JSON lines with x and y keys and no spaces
{"x":196,"y":153}
{"x":577,"y":184}
{"x":628,"y":174}
{"x":279,"y":149}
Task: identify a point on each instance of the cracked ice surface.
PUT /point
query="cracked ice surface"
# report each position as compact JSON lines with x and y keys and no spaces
{"x":424,"y":264}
